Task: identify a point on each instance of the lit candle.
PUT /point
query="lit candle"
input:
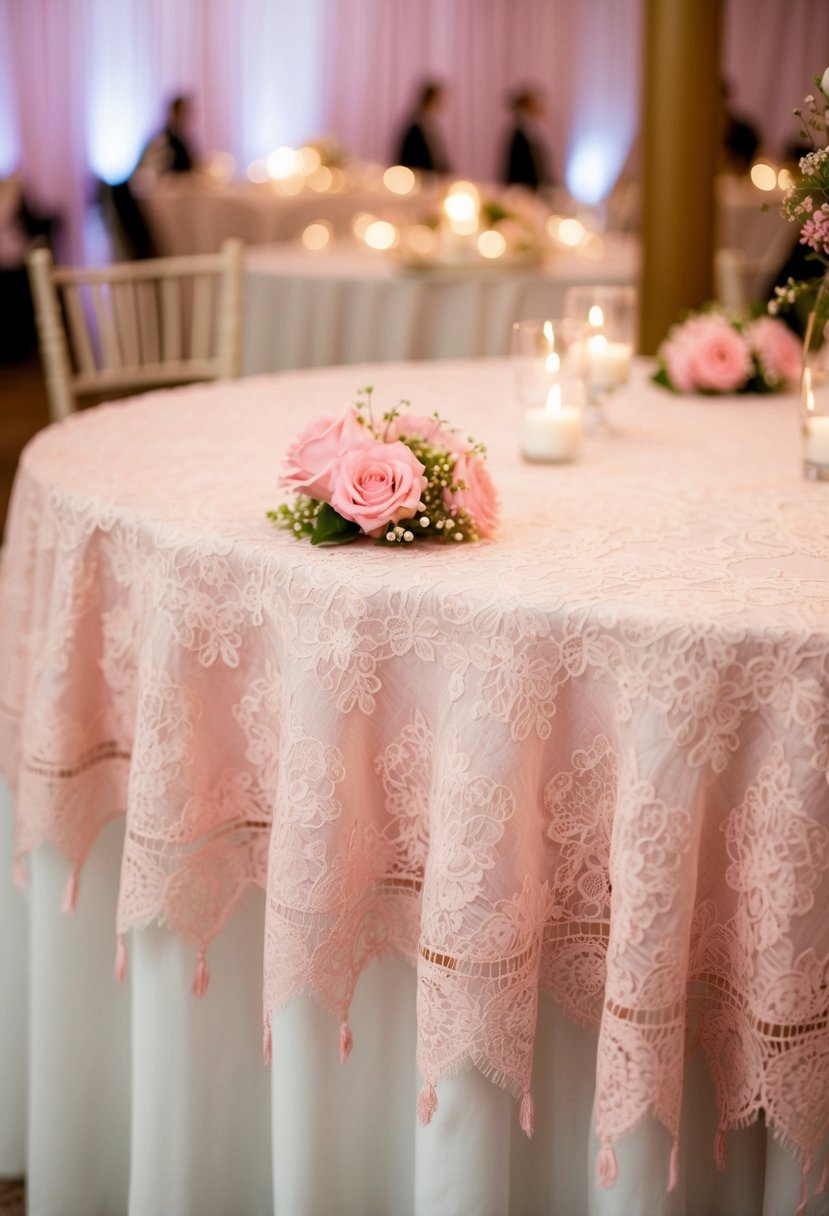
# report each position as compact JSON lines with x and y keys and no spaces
{"x":551,"y":432}
{"x":462,"y":208}
{"x":816,"y":443}
{"x":609,"y":362}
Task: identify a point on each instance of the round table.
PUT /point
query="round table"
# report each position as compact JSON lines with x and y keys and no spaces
{"x":188,"y":213}
{"x":348,"y":304}
{"x":588,"y":756}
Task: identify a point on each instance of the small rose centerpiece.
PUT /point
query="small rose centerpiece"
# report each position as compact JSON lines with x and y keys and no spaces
{"x":400,"y":479}
{"x":715,"y":351}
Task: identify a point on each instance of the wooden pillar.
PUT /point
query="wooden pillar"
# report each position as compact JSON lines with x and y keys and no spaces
{"x":682,"y":133}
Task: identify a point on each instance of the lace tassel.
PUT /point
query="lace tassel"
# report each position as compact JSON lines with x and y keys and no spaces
{"x":607,"y":1167}
{"x":526,"y":1115}
{"x":267,"y":1045}
{"x":427,"y":1104}
{"x":201,"y":976}
{"x":673,"y":1168}
{"x":720,"y":1151}
{"x":823,"y":1185}
{"x":346,"y":1041}
{"x":804,"y":1192}
{"x":70,"y":893}
{"x":20,"y":875}
{"x":120,"y":959}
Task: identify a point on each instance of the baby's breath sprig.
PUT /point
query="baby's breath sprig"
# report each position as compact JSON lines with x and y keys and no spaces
{"x":364,"y":412}
{"x":300,"y":516}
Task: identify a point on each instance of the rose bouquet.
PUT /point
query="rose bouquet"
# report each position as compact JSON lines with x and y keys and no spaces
{"x":400,"y":479}
{"x":806,"y":201}
{"x":714,"y":351}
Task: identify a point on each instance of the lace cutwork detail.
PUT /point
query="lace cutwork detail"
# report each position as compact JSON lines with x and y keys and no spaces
{"x":589,"y":756}
{"x":778,"y":854}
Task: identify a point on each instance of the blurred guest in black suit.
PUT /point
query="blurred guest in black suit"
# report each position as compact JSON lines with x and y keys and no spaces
{"x":526,"y":161}
{"x":171,"y":150}
{"x":421,"y":143}
{"x":741,"y":139}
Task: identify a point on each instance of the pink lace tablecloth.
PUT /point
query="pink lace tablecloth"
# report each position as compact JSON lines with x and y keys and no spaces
{"x":588,"y":756}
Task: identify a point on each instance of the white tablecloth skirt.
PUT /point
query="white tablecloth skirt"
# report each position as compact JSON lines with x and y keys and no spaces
{"x":305,"y":310}
{"x":143,"y":1100}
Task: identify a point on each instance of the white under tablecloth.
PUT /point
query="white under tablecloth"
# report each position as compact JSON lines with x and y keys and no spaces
{"x":348,"y":305}
{"x":144,"y":1100}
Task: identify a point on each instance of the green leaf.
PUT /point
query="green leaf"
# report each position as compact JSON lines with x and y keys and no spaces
{"x":661,"y":377}
{"x":332,"y":529}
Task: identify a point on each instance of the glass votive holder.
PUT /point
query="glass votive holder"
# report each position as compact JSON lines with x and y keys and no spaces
{"x":549,"y":387}
{"x":814,"y":393}
{"x":608,"y":312}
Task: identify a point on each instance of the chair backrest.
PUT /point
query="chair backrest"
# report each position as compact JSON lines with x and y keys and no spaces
{"x":137,"y":325}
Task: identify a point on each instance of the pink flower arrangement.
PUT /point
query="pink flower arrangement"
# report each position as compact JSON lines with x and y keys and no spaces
{"x":716,"y":352}
{"x":407,"y":477}
{"x":806,"y":201}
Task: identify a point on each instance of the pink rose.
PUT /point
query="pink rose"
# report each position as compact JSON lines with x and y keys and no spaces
{"x":428,"y":429}
{"x":677,"y":354}
{"x":777,"y":349}
{"x":707,"y":352}
{"x":377,"y":485}
{"x":309,"y":461}
{"x":480,"y":498}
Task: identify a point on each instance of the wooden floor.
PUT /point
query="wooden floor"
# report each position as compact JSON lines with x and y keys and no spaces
{"x":23,"y":411}
{"x":12,"y":1197}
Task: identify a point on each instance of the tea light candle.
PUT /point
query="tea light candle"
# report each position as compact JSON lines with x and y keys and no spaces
{"x":609,"y":362}
{"x":552,"y":433}
{"x":816,"y":443}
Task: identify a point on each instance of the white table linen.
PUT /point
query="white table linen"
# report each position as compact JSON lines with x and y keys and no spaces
{"x":190,"y":214}
{"x":349,"y":305}
{"x":141,"y":1103}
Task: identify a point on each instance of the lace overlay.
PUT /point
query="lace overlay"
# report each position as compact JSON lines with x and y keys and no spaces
{"x":589,"y":756}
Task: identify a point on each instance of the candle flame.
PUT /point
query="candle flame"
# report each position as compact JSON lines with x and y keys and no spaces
{"x":763,"y":175}
{"x":552,"y":363}
{"x":808,"y":391}
{"x":491,"y":244}
{"x":554,"y":400}
{"x":380,"y":235}
{"x":548,"y":333}
{"x":595,"y":316}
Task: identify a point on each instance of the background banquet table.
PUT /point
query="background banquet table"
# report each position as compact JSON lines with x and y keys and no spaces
{"x":352,"y":305}
{"x":193,"y":214}
{"x":587,"y":756}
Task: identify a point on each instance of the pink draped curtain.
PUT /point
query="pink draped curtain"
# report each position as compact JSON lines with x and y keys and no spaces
{"x":585,"y":57}
{"x":772,"y":51}
{"x":82,"y":81}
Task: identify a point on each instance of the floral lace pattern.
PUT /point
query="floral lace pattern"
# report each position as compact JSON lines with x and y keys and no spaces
{"x":589,"y":756}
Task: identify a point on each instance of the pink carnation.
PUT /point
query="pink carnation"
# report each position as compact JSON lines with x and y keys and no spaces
{"x":777,"y":349}
{"x":480,"y":497}
{"x":309,"y":462}
{"x":707,"y":353}
{"x":377,"y":485}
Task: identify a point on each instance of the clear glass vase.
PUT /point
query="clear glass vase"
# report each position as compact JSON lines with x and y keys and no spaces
{"x":815,"y":389}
